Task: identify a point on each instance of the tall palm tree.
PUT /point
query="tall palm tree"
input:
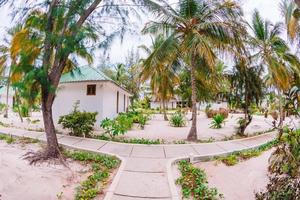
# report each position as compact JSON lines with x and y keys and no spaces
{"x":273,"y":52}
{"x":163,"y":72}
{"x":202,"y":29}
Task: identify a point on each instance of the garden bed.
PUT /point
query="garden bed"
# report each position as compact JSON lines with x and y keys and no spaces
{"x":52,"y":180}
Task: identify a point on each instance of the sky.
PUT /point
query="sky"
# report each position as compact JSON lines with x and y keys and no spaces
{"x":269,"y":9}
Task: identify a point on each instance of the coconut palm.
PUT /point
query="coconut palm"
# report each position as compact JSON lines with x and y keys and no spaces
{"x":273,"y":52}
{"x":161,"y":72}
{"x":202,"y":29}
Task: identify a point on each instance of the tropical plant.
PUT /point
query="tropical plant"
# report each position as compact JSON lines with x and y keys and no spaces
{"x":217,"y":121}
{"x":194,"y":184}
{"x":163,"y":73}
{"x":198,"y":28}
{"x":112,"y":128}
{"x":247,"y":88}
{"x":272,"y":51}
{"x":80,"y":123}
{"x":177,"y":120}
{"x":53,"y":33}
{"x":284,"y":170}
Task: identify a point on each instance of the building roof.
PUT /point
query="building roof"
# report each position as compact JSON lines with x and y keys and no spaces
{"x":87,"y":74}
{"x":82,"y":74}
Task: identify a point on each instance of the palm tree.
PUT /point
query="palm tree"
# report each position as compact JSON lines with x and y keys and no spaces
{"x":202,"y":29}
{"x":273,"y":52}
{"x":8,"y":60}
{"x":162,"y":73}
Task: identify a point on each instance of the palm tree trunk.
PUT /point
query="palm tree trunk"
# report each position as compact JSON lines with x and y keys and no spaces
{"x":164,"y":110}
{"x":280,"y":125}
{"x":193,"y":131}
{"x":7,"y":93}
{"x":18,"y":105}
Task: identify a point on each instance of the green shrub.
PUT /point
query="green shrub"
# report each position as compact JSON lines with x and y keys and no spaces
{"x":9,"y":139}
{"x":101,"y":166}
{"x":177,"y":120}
{"x":131,"y":141}
{"x":80,"y":123}
{"x":125,"y":121}
{"x":284,"y":178}
{"x":194,"y":184}
{"x":2,"y":107}
{"x":112,"y":127}
{"x":217,"y":121}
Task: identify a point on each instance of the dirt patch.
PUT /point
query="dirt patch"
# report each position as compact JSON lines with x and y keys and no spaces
{"x":42,"y":181}
{"x":241,"y":181}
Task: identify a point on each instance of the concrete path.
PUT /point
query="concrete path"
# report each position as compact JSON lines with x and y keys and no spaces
{"x":145,"y":172}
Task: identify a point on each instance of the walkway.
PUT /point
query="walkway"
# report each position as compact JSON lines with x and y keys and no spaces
{"x":145,"y":172}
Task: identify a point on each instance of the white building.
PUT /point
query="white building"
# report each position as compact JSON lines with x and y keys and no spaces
{"x":171,"y":104}
{"x":94,"y":91}
{"x":3,"y":94}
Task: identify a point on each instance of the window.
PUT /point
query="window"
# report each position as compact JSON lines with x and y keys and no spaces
{"x":91,"y":90}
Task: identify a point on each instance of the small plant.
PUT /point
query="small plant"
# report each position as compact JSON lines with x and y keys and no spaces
{"x":80,"y":123}
{"x":112,"y":127}
{"x":101,"y":166}
{"x":217,"y":121}
{"x":131,"y":141}
{"x":177,"y":120}
{"x":194,"y":184}
{"x":8,"y":138}
{"x":236,"y":157}
{"x":142,"y":120}
{"x":284,"y":170}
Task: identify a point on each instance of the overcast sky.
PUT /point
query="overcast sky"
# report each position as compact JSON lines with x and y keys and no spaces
{"x":268,"y":8}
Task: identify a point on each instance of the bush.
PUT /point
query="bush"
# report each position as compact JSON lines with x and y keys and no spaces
{"x":2,"y":107}
{"x":112,"y":127}
{"x":125,"y":121}
{"x":217,"y":121}
{"x":177,"y":120}
{"x":80,"y":123}
{"x":222,"y":111}
{"x":284,"y":178}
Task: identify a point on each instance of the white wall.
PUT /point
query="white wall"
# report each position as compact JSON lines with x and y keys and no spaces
{"x":104,"y":102}
{"x":69,"y":93}
{"x":110,"y":100}
{"x":214,"y":105}
{"x":157,"y":104}
{"x":3,"y":100}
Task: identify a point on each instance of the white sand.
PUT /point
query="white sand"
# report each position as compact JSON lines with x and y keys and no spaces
{"x":19,"y":180}
{"x":239,"y":182}
{"x":157,"y":128}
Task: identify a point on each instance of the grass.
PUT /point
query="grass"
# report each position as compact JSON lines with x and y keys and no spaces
{"x":8,"y":138}
{"x":101,"y":168}
{"x":132,"y":141}
{"x":194,"y":183}
{"x":236,"y":157}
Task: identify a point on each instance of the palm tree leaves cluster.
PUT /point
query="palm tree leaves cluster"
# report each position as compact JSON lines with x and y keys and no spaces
{"x":189,"y":37}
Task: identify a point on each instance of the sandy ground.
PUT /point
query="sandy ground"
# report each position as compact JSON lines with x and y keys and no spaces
{"x":157,"y":128}
{"x":239,"y":182}
{"x":19,"y":180}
